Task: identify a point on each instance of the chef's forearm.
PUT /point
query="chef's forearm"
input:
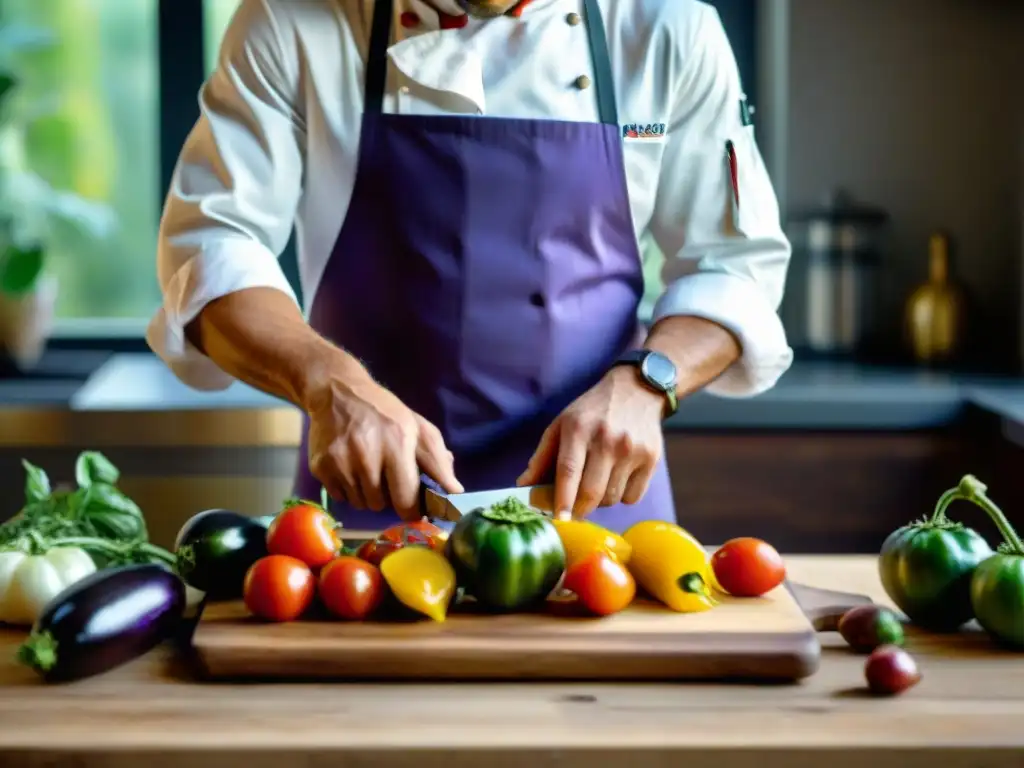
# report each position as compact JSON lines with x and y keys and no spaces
{"x":260,"y":337}
{"x":701,"y":350}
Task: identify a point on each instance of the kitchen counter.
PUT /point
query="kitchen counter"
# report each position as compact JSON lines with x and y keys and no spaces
{"x":133,"y":399}
{"x":810,"y":395}
{"x":966,"y":712}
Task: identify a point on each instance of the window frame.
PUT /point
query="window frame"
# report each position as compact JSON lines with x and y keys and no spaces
{"x":182,"y":72}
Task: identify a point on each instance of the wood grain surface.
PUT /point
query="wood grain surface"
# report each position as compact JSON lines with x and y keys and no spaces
{"x":763,"y":638}
{"x":966,"y":713}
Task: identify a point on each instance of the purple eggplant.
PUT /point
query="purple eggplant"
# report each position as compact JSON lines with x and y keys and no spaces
{"x":103,"y":621}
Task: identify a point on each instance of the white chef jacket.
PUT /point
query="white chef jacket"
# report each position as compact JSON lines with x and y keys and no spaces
{"x":277,"y":143}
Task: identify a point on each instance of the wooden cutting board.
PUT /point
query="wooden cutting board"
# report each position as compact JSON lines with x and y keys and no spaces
{"x":769,"y":638}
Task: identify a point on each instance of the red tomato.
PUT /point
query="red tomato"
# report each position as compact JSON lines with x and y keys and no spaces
{"x":306,"y":532}
{"x":602,"y":583}
{"x":418,"y":534}
{"x":278,"y":588}
{"x":351,"y":588}
{"x":747,"y":567}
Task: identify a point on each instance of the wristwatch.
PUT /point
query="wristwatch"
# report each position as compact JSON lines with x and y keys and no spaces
{"x":656,"y":371}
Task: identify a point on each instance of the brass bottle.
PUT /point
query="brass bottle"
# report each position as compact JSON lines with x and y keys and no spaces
{"x":935,"y":311}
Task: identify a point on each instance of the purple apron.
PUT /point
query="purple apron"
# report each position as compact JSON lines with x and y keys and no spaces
{"x":487,"y":273}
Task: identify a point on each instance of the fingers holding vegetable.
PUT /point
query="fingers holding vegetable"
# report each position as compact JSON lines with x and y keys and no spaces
{"x":603,"y":448}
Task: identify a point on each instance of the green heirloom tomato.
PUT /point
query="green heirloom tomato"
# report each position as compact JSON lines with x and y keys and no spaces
{"x":997,"y":588}
{"x":926,"y":570}
{"x":507,"y":556}
{"x":997,"y":594}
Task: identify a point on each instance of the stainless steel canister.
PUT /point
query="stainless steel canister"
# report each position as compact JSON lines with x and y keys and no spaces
{"x":840,"y":245}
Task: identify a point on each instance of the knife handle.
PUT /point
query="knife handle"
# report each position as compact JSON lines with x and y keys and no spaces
{"x":427,"y":483}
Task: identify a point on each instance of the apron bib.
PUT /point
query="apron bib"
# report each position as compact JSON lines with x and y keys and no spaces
{"x":487,"y":273}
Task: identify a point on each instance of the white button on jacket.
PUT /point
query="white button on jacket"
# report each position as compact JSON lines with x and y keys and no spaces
{"x":277,"y":141}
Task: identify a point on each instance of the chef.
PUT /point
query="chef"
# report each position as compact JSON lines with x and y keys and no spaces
{"x":468,"y":192}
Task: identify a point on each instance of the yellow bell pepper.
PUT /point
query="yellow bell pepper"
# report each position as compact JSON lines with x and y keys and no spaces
{"x":671,"y":565}
{"x":582,"y":538}
{"x":421,"y":579}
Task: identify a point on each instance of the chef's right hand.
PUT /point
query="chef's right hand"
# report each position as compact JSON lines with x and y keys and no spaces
{"x":367,"y":448}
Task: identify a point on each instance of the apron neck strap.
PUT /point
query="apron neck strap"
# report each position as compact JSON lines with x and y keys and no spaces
{"x":380,"y":37}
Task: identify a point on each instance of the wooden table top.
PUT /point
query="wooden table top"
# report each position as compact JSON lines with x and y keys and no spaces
{"x":150,"y":714}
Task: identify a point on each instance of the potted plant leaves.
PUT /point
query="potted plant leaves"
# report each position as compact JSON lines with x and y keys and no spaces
{"x":29,"y":209}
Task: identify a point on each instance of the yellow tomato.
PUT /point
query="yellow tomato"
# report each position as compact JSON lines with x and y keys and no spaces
{"x":582,"y":539}
{"x":421,"y":579}
{"x":671,"y":565}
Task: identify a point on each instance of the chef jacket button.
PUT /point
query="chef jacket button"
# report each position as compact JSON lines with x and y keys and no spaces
{"x":537,"y":300}
{"x":410,"y":20}
{"x":573,"y":19}
{"x":583,"y":82}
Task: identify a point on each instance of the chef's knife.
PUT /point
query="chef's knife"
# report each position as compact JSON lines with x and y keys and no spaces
{"x":438,"y":504}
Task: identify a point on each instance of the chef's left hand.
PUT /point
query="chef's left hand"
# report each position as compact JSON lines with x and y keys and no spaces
{"x":604,"y":447}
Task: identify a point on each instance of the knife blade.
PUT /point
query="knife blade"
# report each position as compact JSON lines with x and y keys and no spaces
{"x":438,"y":504}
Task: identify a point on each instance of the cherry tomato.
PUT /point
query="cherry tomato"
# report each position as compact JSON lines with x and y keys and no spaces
{"x":748,"y":567}
{"x":278,"y":588}
{"x":351,"y":588}
{"x":307,"y":532}
{"x":602,"y":584}
{"x":418,"y":534}
{"x":890,"y":670}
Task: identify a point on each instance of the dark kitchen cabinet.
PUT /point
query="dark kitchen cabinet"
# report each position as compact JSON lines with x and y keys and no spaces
{"x":740,"y":19}
{"x":832,"y":492}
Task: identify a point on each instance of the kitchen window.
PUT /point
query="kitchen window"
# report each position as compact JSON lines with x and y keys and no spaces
{"x":112,"y":101}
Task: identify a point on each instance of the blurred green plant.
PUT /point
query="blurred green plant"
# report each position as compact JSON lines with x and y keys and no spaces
{"x":29,"y":205}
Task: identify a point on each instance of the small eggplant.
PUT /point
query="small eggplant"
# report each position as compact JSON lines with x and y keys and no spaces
{"x":103,"y":621}
{"x":213,"y":520}
{"x":216,"y":548}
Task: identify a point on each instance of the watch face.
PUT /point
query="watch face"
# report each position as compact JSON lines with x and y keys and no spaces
{"x":660,"y":371}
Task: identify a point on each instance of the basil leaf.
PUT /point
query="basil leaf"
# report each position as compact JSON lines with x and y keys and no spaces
{"x":64,"y":505}
{"x":20,"y":268}
{"x":112,"y":514}
{"x":77,"y":501}
{"x":37,"y":483}
{"x":94,"y":467}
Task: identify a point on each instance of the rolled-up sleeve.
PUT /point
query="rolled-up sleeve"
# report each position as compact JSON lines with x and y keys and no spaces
{"x":726,"y":259}
{"x":231,"y":204}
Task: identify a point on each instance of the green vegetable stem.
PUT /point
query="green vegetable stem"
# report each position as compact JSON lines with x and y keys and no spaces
{"x":997,"y":587}
{"x":926,"y":567}
{"x":107,"y":553}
